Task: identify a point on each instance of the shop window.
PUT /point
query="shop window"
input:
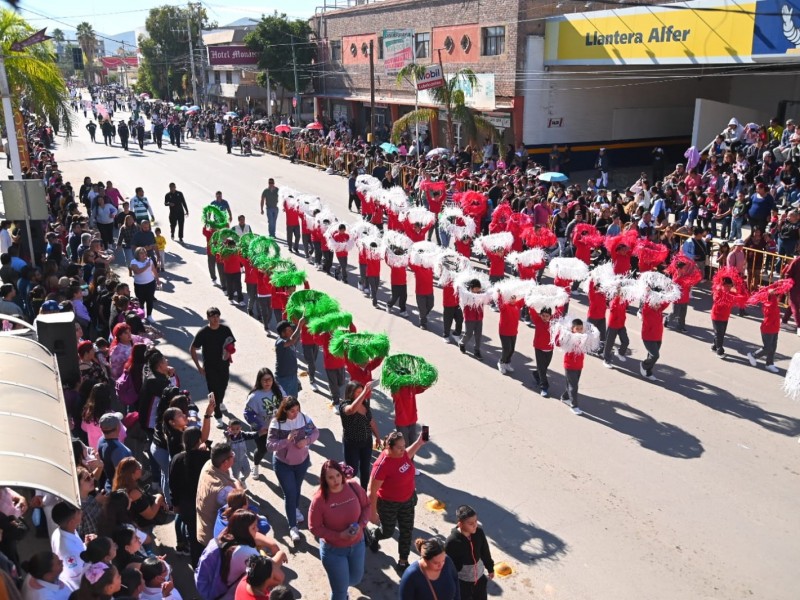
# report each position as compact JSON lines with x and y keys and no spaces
{"x":336,"y":51}
{"x":449,"y":44}
{"x":423,"y":45}
{"x":494,"y":40}
{"x":228,"y":76}
{"x":217,"y":76}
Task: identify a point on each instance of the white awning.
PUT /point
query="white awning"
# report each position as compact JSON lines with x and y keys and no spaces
{"x":35,"y":440}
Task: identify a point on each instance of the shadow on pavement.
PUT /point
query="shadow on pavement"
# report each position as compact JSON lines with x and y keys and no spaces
{"x":658,"y":436}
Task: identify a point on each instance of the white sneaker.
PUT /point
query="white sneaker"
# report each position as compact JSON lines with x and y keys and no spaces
{"x":642,"y":370}
{"x":621,"y":357}
{"x":294,"y":533}
{"x":314,"y":386}
{"x":501,"y":367}
{"x":403,"y":313}
{"x":608,"y":365}
{"x":772,"y":369}
{"x":299,"y":515}
{"x":255,"y":470}
{"x":752,"y":359}
{"x":151,"y":320}
{"x":222,"y":406}
{"x":509,"y":368}
{"x":576,"y":410}
{"x":220,"y":423}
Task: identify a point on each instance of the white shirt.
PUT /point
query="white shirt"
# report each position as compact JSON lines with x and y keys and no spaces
{"x":155,"y":594}
{"x":37,"y":589}
{"x":5,"y":240}
{"x":69,"y":546}
{"x":145,"y":276}
{"x":243,"y":230}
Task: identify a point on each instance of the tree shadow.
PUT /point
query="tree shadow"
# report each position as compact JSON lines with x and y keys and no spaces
{"x":724,"y":401}
{"x":651,"y":434}
{"x":523,"y":541}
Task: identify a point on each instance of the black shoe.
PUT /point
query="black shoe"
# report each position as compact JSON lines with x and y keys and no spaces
{"x":462,"y":347}
{"x":477,"y":354}
{"x":713,"y":347}
{"x":400,"y":568}
{"x":370,"y":541}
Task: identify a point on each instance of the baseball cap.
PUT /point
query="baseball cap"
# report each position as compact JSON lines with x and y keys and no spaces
{"x":50,"y":306}
{"x":110,"y":421}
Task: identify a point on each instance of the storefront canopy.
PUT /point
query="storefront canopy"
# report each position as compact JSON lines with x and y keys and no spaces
{"x":35,"y":440}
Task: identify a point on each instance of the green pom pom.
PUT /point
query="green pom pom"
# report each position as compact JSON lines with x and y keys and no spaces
{"x":330,"y":322}
{"x":218,"y":242}
{"x":214,"y":218}
{"x":286,"y":279}
{"x":310,"y":303}
{"x":244,"y":244}
{"x":263,"y":245}
{"x":360,"y":347}
{"x":404,"y":370}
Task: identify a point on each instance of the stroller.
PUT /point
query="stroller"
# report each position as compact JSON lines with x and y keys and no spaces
{"x":246,"y":146}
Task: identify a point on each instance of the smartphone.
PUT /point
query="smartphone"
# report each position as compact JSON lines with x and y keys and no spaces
{"x":426,"y":433}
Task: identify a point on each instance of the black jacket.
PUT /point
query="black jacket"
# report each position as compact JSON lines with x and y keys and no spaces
{"x":466,"y":553}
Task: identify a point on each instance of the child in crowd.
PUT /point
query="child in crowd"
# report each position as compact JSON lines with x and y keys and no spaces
{"x":286,"y":356}
{"x":161,"y":246}
{"x":727,"y":290}
{"x":472,"y":296}
{"x":575,"y":339}
{"x":238,"y":441}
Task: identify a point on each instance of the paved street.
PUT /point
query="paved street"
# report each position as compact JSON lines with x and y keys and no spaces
{"x":683,"y":489}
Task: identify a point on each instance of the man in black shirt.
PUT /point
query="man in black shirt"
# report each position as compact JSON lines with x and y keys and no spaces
{"x":217,"y":344}
{"x":177,"y":211}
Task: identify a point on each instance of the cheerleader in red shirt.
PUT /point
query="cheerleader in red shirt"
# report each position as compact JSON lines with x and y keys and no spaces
{"x":685,"y":273}
{"x":509,"y":295}
{"x":575,"y":339}
{"x":417,"y":222}
{"x":727,"y":290}
{"x":213,"y":220}
{"x":334,"y":365}
{"x":396,"y":254}
{"x":598,"y":303}
{"x":422,"y":260}
{"x":232,"y":267}
{"x":565,"y":271}
{"x":293,"y":214}
{"x":307,"y":206}
{"x":324,"y":220}
{"x":448,"y":265}
{"x":473,"y":293}
{"x":435,"y":194}
{"x":655,"y":293}
{"x":340,"y":242}
{"x":370,"y":249}
{"x":358,"y":231}
{"x":619,"y":292}
{"x":495,"y":247}
{"x":544,"y":302}
{"x":395,"y":201}
{"x":771,"y":323}
{"x":586,"y":238}
{"x":458,"y":226}
{"x":620,"y":248}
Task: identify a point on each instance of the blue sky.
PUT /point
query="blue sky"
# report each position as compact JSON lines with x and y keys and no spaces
{"x":116,"y":17}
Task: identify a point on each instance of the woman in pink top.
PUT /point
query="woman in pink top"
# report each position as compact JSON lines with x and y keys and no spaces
{"x":97,"y":404}
{"x":113,"y":195}
{"x":339,"y":512}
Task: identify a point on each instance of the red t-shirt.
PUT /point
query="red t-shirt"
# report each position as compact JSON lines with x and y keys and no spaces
{"x":398,"y":276}
{"x":686,"y":291}
{"x":509,"y":317}
{"x":424,"y":280}
{"x":721,"y":312}
{"x":306,"y":338}
{"x":449,"y":295}
{"x":473,"y":313}
{"x":463,"y":248}
{"x":243,"y":594}
{"x":541,"y":336}
{"x":527,"y":271}
{"x":405,"y":406}
{"x":597,"y":303}
{"x":207,"y":233}
{"x":772,"y":316}
{"x":342,"y":238}
{"x":373,"y":267}
{"x":264,"y":287}
{"x":232,"y":264}
{"x":497,"y":264}
{"x":622,"y":264}
{"x":573,"y":361}
{"x":292,"y":217}
{"x":329,"y":361}
{"x":411,"y":232}
{"x":617,"y":313}
{"x":250,"y":272}
{"x":279,"y":298}
{"x":397,"y":475}
{"x":653,"y":322}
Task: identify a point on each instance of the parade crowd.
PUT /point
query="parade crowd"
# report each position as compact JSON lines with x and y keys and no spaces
{"x":478,"y":223}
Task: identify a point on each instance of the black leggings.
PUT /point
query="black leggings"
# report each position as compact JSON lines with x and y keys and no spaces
{"x":146,"y":295}
{"x":261,"y":449}
{"x":359,"y":456}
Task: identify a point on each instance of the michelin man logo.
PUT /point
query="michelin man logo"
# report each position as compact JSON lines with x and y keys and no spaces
{"x":790,"y":31}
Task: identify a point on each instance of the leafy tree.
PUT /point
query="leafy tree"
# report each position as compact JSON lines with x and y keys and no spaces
{"x":58,"y":36}
{"x":87,"y":39}
{"x":273,"y":37}
{"x":165,"y":49}
{"x":450,"y":97}
{"x":33,"y":76}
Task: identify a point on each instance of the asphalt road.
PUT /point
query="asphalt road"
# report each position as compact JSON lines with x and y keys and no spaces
{"x":683,"y":489}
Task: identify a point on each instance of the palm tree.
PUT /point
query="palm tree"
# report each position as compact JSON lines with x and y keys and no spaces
{"x":58,"y":36}
{"x":88,"y":43}
{"x":451,"y":98}
{"x":34,"y":78}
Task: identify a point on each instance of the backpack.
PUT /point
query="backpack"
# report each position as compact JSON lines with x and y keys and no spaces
{"x":126,"y":392}
{"x":207,"y":577}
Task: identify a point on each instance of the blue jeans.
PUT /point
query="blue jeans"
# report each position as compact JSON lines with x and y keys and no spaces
{"x":344,"y":566}
{"x":290,"y":385}
{"x":290,"y":478}
{"x":272,"y":220}
{"x":444,"y":237}
{"x":736,"y":228}
{"x":161,"y":458}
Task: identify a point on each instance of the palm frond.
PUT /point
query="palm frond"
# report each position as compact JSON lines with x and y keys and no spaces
{"x":407,"y":121}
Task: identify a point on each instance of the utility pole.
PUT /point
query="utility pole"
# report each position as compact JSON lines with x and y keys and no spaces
{"x":371,"y":134}
{"x":296,"y":86}
{"x":269,"y":97}
{"x":191,"y":54}
{"x":8,"y":114}
{"x":446,"y":103}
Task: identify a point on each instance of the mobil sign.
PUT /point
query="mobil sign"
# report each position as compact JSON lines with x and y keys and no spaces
{"x":431,"y":78}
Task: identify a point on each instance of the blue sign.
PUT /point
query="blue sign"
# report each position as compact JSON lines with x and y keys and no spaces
{"x":777,"y":27}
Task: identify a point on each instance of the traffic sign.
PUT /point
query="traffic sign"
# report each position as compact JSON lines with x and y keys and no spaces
{"x":36,"y":38}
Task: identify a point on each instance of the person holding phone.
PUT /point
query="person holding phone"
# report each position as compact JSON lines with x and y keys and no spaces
{"x":393,"y":496}
{"x":358,"y":429}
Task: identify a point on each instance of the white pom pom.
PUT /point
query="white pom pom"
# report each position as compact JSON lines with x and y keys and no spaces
{"x":512,"y":287}
{"x":494,"y":242}
{"x":365,"y":242}
{"x":561,"y":335}
{"x":396,"y":248}
{"x":424,"y":254}
{"x":449,"y":263}
{"x":308,"y":204}
{"x":571,"y":269}
{"x":467,"y":297}
{"x":546,"y":296}
{"x":419,"y":215}
{"x":656,"y":288}
{"x":791,"y":384}
{"x":451,"y":215}
{"x":326,"y":214}
{"x":394,"y":199}
{"x":365,"y":183}
{"x":527,"y":258}
{"x":336,"y":246}
{"x":363,"y":228}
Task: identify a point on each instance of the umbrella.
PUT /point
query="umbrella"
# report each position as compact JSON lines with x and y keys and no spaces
{"x":226,"y":117}
{"x":553,"y":177}
{"x":231,"y":114}
{"x":259,"y":122}
{"x":191,"y":110}
{"x":437,"y":152}
{"x":195,"y":107}
{"x":388,"y":147}
{"x":283,"y":129}
{"x":315,"y":125}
